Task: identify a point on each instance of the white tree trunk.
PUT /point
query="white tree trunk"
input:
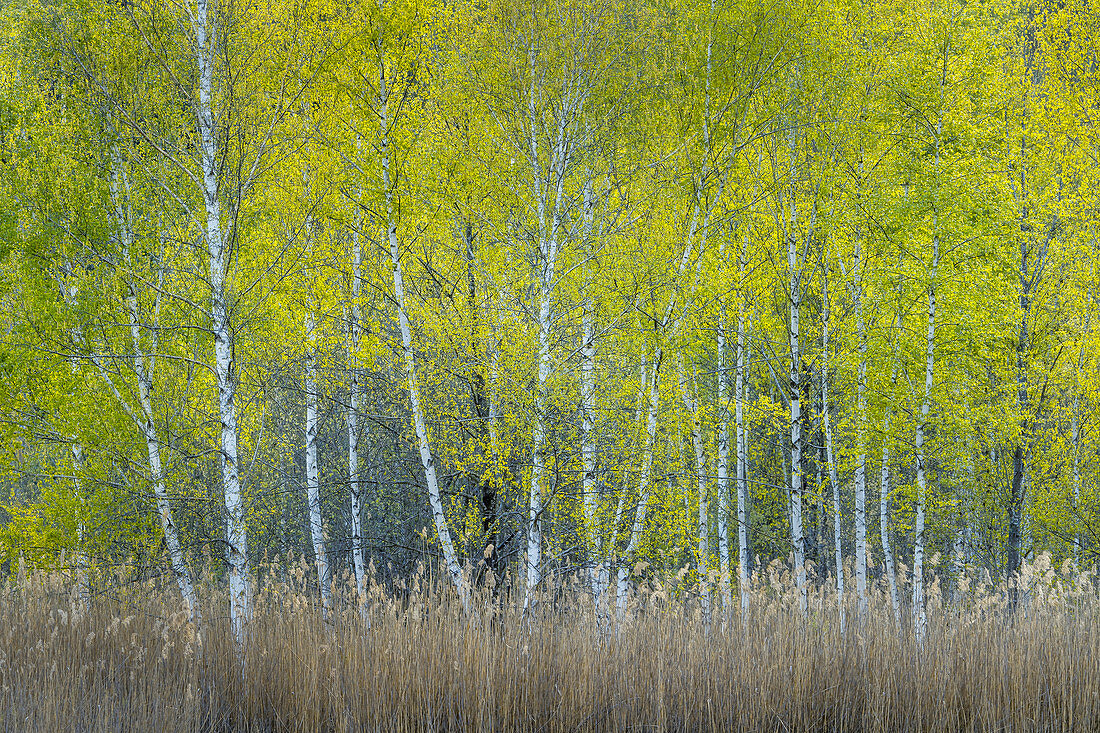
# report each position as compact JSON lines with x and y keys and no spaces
{"x":83,"y":589}
{"x":313,"y":474}
{"x":689,"y":395}
{"x":548,"y":196}
{"x":884,"y":479}
{"x":922,"y":481}
{"x":588,"y":400}
{"x":69,"y":293}
{"x":643,"y":483}
{"x":797,"y":537}
{"x":861,"y":436}
{"x":829,"y":446}
{"x":144,"y":364}
{"x":355,"y":482}
{"x":723,"y":467}
{"x":610,"y":551}
{"x":427,"y":460}
{"x":236,"y":534}
{"x":884,"y":522}
{"x":742,"y":452}
{"x":1076,"y":431}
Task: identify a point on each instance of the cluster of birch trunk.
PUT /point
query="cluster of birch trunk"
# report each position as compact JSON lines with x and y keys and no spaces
{"x":557,"y":257}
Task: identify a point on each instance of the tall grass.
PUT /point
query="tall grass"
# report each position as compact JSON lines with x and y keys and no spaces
{"x":131,"y":661}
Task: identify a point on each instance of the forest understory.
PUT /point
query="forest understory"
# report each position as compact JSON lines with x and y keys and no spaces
{"x":412,"y":659}
{"x":749,"y":343}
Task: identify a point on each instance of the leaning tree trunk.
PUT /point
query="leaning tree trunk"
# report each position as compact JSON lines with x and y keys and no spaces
{"x":427,"y":460}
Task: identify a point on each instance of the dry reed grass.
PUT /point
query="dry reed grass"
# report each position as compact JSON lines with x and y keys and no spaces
{"x":132,"y":662}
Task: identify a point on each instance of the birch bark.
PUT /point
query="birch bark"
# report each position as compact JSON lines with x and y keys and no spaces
{"x":313,"y":474}
{"x":588,"y":398}
{"x":355,"y":481}
{"x":427,"y":460}
{"x":795,"y":300}
{"x":722,"y":480}
{"x":690,"y":397}
{"x":861,"y":435}
{"x":240,"y":602}
{"x":922,"y":481}
{"x":884,"y":481}
{"x":742,"y":450}
{"x":829,"y":444}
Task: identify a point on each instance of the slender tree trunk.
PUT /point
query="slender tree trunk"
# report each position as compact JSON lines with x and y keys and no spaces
{"x":143,"y":368}
{"x":884,"y":484}
{"x":427,"y":460}
{"x":83,"y":589}
{"x":69,"y":293}
{"x":689,"y":394}
{"x":355,"y":481}
{"x":1076,"y":431}
{"x":643,"y":483}
{"x":236,"y":546}
{"x":548,"y":198}
{"x":538,"y":440}
{"x":861,"y":437}
{"x":611,"y":558}
{"x":588,"y":403}
{"x":742,"y":453}
{"x":795,"y":299}
{"x":653,"y":375}
{"x":1018,"y":487}
{"x":829,"y":446}
{"x":144,"y":364}
{"x":922,"y":470}
{"x":313,"y":474}
{"x":723,"y":466}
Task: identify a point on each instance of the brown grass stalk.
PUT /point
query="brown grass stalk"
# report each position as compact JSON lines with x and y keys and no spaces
{"x":133,"y":662}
